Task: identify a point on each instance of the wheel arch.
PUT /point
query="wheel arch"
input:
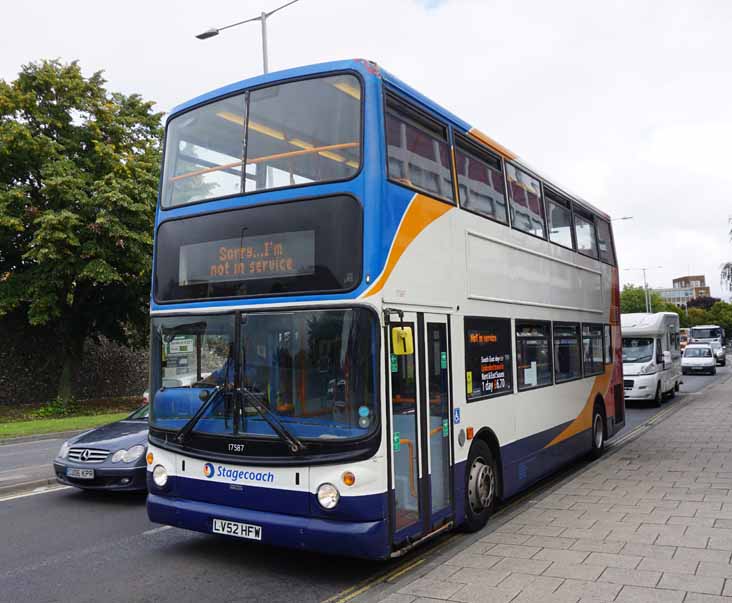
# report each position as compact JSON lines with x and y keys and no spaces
{"x":600,"y":403}
{"x":487,"y":435}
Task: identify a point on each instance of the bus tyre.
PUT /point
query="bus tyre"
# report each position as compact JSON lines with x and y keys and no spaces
{"x":598,"y":432}
{"x":481,"y":486}
{"x":659,"y":396}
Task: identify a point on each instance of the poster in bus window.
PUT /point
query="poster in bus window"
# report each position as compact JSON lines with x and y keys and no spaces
{"x":488,"y":362}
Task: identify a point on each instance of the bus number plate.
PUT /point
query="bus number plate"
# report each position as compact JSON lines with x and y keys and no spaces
{"x":233,"y":528}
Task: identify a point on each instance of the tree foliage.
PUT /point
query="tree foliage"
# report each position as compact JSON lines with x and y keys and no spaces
{"x":705,"y":303}
{"x":632,"y":299}
{"x":79,"y":170}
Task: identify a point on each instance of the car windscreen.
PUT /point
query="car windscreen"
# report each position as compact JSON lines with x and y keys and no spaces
{"x":637,"y":349}
{"x":289,"y":134}
{"x":697,"y":352}
{"x":698,"y":333}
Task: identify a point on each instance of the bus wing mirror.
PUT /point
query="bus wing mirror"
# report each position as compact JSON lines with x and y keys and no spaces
{"x":402,"y":341}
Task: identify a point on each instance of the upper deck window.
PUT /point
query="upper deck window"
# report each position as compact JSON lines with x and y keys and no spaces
{"x":419,"y":154}
{"x":584,"y":230}
{"x":604,"y":241}
{"x":559,"y":218}
{"x":480,"y":182}
{"x":286,"y":135}
{"x":527,"y":209}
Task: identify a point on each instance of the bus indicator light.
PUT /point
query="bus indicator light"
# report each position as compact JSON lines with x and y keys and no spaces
{"x":149,"y":458}
{"x":470,"y":433}
{"x":348,"y":478}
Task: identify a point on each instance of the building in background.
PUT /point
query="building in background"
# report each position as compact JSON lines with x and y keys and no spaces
{"x":696,"y":282}
{"x":685,"y":288}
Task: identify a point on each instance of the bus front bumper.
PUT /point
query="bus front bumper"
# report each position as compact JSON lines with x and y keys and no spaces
{"x":353,"y":539}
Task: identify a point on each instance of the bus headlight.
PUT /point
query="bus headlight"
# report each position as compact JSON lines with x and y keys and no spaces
{"x":328,"y":496}
{"x":160,"y":476}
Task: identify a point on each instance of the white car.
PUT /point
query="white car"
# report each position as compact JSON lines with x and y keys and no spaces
{"x":698,"y":358}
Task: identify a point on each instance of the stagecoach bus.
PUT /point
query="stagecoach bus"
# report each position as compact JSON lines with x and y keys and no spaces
{"x":369,"y":321}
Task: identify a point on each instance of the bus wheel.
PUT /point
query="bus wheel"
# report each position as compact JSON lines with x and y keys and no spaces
{"x":481,"y":485}
{"x":598,"y":433}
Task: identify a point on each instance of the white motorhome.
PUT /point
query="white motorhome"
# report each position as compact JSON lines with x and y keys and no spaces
{"x":714,"y":336}
{"x":651,"y":356}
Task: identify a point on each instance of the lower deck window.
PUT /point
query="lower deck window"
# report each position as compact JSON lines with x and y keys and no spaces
{"x":592,"y":350}
{"x":567,"y":359}
{"x":533,"y":354}
{"x":488,"y":363}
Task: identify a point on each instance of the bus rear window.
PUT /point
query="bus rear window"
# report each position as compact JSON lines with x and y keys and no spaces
{"x":286,"y":135}
{"x":278,"y":249}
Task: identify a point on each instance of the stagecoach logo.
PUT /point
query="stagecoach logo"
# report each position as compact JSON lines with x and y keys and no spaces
{"x":84,"y":456}
{"x":208,"y":470}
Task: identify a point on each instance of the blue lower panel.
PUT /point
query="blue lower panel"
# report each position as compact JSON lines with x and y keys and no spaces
{"x":367,"y":539}
{"x":520,"y":472}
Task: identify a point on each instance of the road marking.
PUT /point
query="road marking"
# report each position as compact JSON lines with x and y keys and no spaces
{"x":403,"y":568}
{"x":156,"y":530}
{"x":43,"y":490}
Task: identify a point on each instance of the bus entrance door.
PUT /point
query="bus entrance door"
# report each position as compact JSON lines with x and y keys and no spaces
{"x":419,"y":386}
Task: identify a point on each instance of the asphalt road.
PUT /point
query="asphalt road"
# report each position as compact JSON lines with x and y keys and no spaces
{"x":27,"y":461}
{"x":67,"y":545}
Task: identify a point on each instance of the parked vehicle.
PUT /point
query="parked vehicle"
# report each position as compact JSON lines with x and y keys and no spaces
{"x":698,"y":358}
{"x":111,"y":457}
{"x":715,"y":337}
{"x":651,"y":356}
{"x":683,"y":338}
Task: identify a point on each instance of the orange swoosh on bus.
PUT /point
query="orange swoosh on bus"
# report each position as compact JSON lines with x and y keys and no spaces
{"x":488,"y":141}
{"x":422,"y":211}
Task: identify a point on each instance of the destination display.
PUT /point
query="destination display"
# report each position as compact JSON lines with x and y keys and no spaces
{"x":283,"y":254}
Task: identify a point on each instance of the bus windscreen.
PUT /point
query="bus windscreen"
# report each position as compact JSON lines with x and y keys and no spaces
{"x":290,"y":134}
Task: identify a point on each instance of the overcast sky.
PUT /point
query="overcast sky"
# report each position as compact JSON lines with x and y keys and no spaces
{"x":628,"y":104}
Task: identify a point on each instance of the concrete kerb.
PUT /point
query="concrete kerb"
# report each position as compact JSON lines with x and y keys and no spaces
{"x":26,"y":486}
{"x":521,"y":504}
{"x":42,"y":436}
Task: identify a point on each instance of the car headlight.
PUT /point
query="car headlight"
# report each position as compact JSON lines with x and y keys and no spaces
{"x":160,"y":476}
{"x":133,"y":454}
{"x":119,"y":455}
{"x":328,"y":496}
{"x":63,"y":453}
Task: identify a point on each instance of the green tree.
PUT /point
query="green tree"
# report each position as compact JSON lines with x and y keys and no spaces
{"x":633,"y":299}
{"x":79,"y":169}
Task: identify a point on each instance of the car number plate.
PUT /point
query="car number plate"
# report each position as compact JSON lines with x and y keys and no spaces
{"x":233,"y":528}
{"x":80,"y":473}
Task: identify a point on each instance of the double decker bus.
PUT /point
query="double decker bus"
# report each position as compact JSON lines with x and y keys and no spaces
{"x":369,"y":321}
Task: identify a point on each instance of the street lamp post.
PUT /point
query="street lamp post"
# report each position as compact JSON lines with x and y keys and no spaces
{"x":647,"y":294}
{"x":214,"y":31}
{"x":622,"y":218}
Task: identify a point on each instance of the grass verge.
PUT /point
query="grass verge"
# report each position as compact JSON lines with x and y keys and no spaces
{"x":38,"y":426}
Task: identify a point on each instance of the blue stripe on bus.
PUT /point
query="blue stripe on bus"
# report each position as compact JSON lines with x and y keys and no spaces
{"x":372,"y":507}
{"x":368,"y":539}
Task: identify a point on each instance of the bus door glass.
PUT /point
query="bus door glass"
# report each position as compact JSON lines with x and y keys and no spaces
{"x":420,"y":423}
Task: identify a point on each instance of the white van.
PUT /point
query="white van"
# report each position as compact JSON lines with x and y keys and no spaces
{"x":651,"y":356}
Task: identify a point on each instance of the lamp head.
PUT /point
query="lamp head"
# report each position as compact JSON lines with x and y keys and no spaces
{"x":209,"y":33}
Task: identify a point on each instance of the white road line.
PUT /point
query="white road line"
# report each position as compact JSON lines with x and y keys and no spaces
{"x":156,"y":530}
{"x":43,"y":490}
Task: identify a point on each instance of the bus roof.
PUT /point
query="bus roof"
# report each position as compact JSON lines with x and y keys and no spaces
{"x":364,"y":65}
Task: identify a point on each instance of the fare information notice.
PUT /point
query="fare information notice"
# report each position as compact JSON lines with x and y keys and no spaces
{"x":247,"y":258}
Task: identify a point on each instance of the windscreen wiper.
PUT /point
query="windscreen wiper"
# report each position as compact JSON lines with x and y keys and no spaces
{"x":263,"y":410}
{"x":184,"y":431}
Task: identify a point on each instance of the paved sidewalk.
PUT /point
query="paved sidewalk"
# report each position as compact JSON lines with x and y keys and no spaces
{"x":650,"y":522}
